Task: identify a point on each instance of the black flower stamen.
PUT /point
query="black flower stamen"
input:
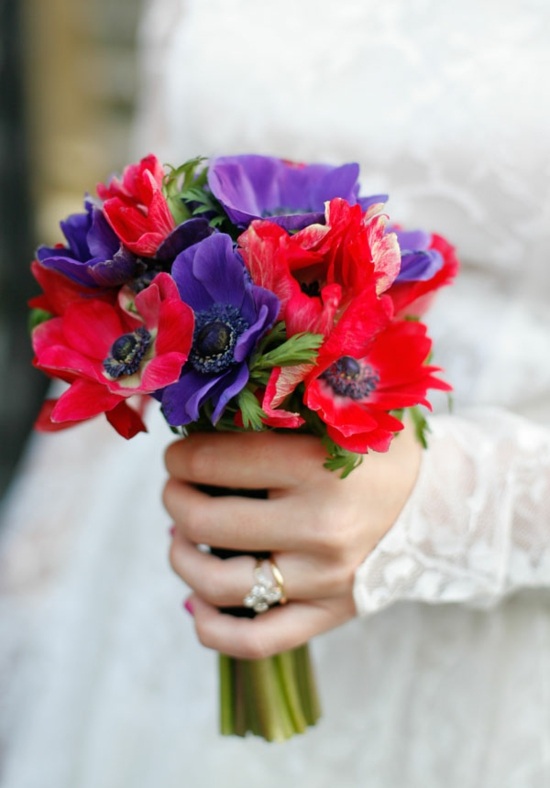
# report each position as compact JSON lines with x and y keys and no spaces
{"x":351,"y":378}
{"x":127,"y":353}
{"x":312,"y":289}
{"x":216,"y":333}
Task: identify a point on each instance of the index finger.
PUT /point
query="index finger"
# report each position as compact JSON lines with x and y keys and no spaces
{"x":247,"y":460}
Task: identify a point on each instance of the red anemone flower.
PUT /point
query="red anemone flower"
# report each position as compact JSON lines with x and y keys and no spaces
{"x":355,"y":394}
{"x":317,"y":272}
{"x":109,"y":353}
{"x":136,"y":207}
{"x":365,"y":318}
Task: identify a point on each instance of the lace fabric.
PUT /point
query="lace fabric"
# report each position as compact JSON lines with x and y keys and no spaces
{"x":102,"y":683}
{"x":475,"y":527}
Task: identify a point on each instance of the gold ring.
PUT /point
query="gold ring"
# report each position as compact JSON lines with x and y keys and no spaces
{"x":278,"y":576}
{"x":264,"y":593}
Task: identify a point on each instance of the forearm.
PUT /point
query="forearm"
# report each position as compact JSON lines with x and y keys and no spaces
{"x":477,"y":525}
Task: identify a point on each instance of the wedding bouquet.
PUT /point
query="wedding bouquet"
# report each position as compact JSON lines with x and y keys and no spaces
{"x":244,"y":292}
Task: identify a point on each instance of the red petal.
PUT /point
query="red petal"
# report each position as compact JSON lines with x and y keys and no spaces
{"x":59,"y":291}
{"x":64,"y":359}
{"x":83,"y":400}
{"x":161,"y":371}
{"x":126,"y":421}
{"x":44,"y":421}
{"x":91,"y":327}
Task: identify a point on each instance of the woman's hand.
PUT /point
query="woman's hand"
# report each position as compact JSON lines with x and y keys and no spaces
{"x":317,"y":526}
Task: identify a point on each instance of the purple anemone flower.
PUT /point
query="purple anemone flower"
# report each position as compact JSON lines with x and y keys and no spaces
{"x":292,"y":195}
{"x":231,"y":315}
{"x":419,"y":263}
{"x":93,"y":256}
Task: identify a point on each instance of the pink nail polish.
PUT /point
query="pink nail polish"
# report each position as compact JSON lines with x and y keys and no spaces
{"x":188,"y":606}
{"x":172,"y":530}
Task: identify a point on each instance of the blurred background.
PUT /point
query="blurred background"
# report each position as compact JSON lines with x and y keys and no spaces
{"x":68,"y":81}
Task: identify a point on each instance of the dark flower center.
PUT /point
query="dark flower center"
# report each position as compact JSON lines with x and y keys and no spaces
{"x":349,"y":378}
{"x":216,"y":333}
{"x":311,"y":289}
{"x":127,"y":352}
{"x":213,"y":339}
{"x":145,"y":273}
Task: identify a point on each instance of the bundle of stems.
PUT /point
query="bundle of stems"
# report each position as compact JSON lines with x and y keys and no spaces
{"x":275,"y":697}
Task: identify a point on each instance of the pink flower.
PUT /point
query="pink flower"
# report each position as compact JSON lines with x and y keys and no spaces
{"x":136,"y":208}
{"x":109,"y":353}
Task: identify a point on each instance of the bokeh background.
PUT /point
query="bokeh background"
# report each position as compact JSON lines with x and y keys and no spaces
{"x":68,"y":85}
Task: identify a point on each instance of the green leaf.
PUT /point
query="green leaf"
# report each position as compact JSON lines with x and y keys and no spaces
{"x":252,"y":413}
{"x":298,"y":349}
{"x":180,"y":180}
{"x":340,"y":459}
{"x":421,"y":426}
{"x":36,"y":317}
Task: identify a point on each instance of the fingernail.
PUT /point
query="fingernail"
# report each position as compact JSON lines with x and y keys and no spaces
{"x":189,"y":607}
{"x":172,"y":530}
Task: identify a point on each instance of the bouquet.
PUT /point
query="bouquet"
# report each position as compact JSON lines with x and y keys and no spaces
{"x":242,"y":293}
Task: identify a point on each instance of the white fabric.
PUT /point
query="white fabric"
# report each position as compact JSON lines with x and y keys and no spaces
{"x":446,"y":108}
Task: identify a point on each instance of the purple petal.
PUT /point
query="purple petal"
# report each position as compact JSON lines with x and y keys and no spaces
{"x":102,"y":240}
{"x":223,"y":272}
{"x":293,"y":195}
{"x":247,"y":340}
{"x":373,"y":199}
{"x":72,"y":269}
{"x":419,"y":266}
{"x":75,"y":229}
{"x":185,"y":235}
{"x":233,"y":382}
{"x":336,"y":182}
{"x":115,"y":272}
{"x":416,"y":240}
{"x":243,"y":184}
{"x":182,"y":400}
{"x":297,"y":221}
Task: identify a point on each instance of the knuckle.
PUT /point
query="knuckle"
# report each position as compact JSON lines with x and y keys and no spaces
{"x":213,"y":590}
{"x":195,"y":526}
{"x":206,"y":633}
{"x":331,"y":540}
{"x":173,"y":558}
{"x":256,"y":646}
{"x":340,"y":577}
{"x":170,"y":496}
{"x":171,"y":457}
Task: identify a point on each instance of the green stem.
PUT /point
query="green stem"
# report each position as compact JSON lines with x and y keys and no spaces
{"x":307,"y":684}
{"x":239,"y":699}
{"x":227,"y":695}
{"x":290,"y":689}
{"x":269,"y":700}
{"x":252,"y":703}
{"x":274,"y":698}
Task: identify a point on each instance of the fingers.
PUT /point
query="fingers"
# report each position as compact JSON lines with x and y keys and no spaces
{"x":280,"y":629}
{"x":234,"y":522}
{"x":263,"y":460}
{"x":225,"y":582}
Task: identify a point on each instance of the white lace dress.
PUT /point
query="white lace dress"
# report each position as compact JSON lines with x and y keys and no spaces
{"x":446,"y":679}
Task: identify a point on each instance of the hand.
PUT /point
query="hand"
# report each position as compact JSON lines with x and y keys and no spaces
{"x":317,"y":526}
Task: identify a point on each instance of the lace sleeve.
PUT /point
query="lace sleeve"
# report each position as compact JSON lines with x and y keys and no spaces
{"x":477,"y":525}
